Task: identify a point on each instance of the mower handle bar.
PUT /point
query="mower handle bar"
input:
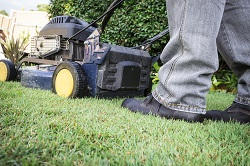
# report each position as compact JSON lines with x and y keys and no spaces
{"x":113,"y":6}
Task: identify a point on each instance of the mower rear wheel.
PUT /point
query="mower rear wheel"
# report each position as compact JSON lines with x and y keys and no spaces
{"x":69,"y":80}
{"x":7,"y":71}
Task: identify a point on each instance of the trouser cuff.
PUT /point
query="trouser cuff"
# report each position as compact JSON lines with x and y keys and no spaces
{"x":178,"y":106}
{"x":242,"y":100}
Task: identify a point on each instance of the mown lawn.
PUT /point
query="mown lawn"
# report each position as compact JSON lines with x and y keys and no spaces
{"x":38,"y":127}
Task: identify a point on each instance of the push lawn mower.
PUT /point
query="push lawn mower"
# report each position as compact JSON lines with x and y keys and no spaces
{"x":68,"y":58}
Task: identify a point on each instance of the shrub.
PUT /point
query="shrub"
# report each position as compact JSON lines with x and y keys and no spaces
{"x":14,"y":48}
{"x":130,"y":25}
{"x":224,"y":79}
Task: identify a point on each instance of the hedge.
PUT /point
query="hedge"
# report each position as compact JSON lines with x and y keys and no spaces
{"x":131,"y":24}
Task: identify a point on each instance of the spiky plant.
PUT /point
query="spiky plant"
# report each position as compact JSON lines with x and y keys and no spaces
{"x":14,"y":48}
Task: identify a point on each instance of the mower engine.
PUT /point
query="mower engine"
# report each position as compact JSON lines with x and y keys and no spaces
{"x":52,"y":40}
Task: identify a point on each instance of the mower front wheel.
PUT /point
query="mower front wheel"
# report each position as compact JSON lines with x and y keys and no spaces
{"x":7,"y":71}
{"x":69,"y":80}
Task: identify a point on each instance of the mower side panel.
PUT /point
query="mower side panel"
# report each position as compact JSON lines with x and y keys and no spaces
{"x":125,"y":69}
{"x":90,"y":70}
{"x":34,"y":78}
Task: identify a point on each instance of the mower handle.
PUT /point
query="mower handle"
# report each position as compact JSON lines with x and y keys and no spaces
{"x":110,"y":10}
{"x":107,"y":17}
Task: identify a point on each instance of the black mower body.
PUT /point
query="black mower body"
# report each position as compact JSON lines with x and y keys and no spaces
{"x":66,"y":26}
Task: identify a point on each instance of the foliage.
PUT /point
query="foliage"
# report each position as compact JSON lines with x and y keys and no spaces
{"x":14,"y":48}
{"x":154,"y":75}
{"x":130,"y":25}
{"x":36,"y":130}
{"x":3,"y":12}
{"x":224,"y":80}
{"x":43,"y":7}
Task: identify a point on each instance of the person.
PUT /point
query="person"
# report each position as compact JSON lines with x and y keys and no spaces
{"x":198,"y":28}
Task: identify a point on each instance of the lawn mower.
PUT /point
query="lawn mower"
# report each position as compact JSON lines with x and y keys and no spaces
{"x":68,"y":58}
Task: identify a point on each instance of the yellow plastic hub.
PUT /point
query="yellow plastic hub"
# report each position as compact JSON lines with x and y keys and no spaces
{"x":3,"y":72}
{"x":64,"y":83}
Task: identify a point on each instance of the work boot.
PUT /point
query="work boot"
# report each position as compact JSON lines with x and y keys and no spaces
{"x":152,"y":106}
{"x":236,"y":112}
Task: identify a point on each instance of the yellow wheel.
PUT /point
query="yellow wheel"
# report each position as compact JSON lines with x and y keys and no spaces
{"x":3,"y":71}
{"x":64,"y":83}
{"x":69,"y":80}
{"x":7,"y":71}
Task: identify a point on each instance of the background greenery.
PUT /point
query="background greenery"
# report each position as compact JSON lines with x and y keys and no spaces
{"x":132,"y":24}
{"x":40,"y":128}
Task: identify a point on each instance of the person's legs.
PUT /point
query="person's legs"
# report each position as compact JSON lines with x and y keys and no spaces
{"x":190,"y":57}
{"x":234,"y":44}
{"x":189,"y":60}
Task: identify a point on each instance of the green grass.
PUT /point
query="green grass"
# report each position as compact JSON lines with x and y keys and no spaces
{"x":38,"y":127}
